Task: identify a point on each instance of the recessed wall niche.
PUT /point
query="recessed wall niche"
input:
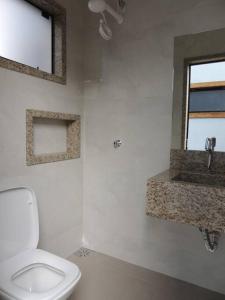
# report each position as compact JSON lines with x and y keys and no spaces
{"x":62,"y":132}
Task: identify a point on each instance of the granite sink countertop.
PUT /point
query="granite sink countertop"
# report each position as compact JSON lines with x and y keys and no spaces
{"x":186,"y":177}
{"x":196,"y":198}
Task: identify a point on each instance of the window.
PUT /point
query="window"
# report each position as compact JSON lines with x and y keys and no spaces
{"x":206,"y":105}
{"x":32,"y":38}
{"x":26,"y":34}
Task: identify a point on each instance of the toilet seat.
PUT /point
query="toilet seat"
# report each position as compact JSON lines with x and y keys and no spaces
{"x":16,"y":266}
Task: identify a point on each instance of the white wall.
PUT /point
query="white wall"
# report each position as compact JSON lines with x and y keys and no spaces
{"x":58,"y":186}
{"x":128,"y":95}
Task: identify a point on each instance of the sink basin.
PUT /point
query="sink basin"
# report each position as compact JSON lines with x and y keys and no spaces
{"x":197,"y":199}
{"x":204,"y":179}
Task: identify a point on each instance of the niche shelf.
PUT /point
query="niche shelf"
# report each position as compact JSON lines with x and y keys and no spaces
{"x":72,"y":137}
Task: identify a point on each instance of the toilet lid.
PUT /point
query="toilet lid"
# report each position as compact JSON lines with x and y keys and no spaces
{"x":19,"y":228}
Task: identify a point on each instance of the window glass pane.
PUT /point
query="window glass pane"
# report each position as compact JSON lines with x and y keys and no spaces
{"x":207,"y":100}
{"x":208,"y":72}
{"x":199,"y":129}
{"x":25,"y":35}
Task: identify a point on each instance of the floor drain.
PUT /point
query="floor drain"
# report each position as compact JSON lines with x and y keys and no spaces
{"x":83,"y":252}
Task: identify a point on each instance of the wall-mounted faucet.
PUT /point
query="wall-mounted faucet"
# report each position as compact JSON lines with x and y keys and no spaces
{"x":117,"y":144}
{"x":210,"y":144}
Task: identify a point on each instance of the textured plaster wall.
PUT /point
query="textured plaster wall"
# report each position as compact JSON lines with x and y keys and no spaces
{"x":128,"y":95}
{"x":58,"y":186}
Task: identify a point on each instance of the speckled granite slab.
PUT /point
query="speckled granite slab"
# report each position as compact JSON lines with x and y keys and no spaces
{"x":200,"y":204}
{"x":189,"y":192}
{"x":196,"y":161}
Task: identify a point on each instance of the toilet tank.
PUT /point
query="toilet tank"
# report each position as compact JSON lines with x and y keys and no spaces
{"x":19,"y":228}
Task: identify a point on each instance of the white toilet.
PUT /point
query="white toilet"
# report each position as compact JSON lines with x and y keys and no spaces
{"x":28,"y":273}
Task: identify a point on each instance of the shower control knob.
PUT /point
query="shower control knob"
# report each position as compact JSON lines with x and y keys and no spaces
{"x":117,"y":143}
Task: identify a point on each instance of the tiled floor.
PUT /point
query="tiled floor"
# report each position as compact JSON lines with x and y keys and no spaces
{"x":107,"y":278}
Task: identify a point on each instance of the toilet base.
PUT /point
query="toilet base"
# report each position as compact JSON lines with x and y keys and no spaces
{"x":64,"y":297}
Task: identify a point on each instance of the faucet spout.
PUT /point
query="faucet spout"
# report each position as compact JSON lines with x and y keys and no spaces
{"x":209,"y":159}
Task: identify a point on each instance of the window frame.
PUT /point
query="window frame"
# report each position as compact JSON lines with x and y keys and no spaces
{"x":58,"y":75}
{"x":187,"y":87}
